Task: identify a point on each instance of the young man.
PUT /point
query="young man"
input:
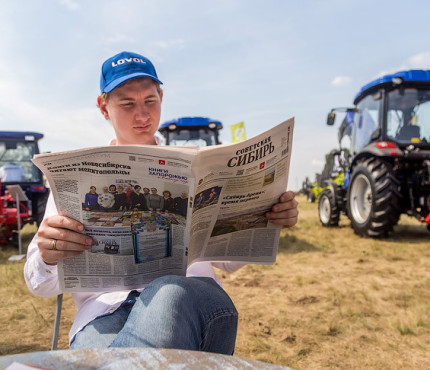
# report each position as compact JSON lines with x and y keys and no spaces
{"x":190,"y":312}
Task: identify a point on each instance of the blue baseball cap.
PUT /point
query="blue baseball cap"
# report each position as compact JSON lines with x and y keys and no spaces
{"x":123,"y":67}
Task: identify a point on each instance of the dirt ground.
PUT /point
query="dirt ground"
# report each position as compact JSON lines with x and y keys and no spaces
{"x":332,"y":300}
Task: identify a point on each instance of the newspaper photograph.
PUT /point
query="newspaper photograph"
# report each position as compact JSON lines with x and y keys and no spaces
{"x":153,"y":210}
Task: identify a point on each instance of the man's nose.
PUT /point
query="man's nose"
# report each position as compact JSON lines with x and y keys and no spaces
{"x":142,"y":112}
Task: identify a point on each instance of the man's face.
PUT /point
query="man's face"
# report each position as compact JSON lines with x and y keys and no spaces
{"x":134,"y":110}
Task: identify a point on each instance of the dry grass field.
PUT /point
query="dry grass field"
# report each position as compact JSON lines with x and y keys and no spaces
{"x":331,"y":301}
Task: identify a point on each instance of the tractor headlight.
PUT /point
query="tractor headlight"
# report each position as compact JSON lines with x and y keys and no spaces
{"x":397,"y":81}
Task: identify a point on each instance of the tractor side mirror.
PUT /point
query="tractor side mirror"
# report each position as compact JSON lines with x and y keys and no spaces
{"x":331,"y":118}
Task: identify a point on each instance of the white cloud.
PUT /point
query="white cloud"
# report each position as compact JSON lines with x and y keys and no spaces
{"x":166,"y":44}
{"x":420,"y":61}
{"x":417,"y":61}
{"x":119,"y":39}
{"x":317,"y":163}
{"x":161,"y":48}
{"x":70,"y":4}
{"x":341,"y":81}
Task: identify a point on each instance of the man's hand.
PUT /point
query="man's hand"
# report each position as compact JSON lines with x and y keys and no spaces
{"x":61,"y":237}
{"x":285,"y":212}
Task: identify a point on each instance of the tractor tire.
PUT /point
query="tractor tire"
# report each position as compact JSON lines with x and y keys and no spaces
{"x":373,"y":198}
{"x":15,"y":239}
{"x":39,"y":212}
{"x":328,"y":209}
{"x":311,"y":197}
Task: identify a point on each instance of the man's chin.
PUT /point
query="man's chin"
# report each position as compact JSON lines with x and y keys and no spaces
{"x":142,"y":138}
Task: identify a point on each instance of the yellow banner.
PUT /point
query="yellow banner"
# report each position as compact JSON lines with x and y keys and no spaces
{"x":238,"y":132}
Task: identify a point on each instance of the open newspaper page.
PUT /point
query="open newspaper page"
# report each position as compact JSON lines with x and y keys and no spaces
{"x":235,"y":186}
{"x":133,"y":202}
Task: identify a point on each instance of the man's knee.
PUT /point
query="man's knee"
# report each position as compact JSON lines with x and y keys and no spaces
{"x":173,"y":290}
{"x":200,"y":291}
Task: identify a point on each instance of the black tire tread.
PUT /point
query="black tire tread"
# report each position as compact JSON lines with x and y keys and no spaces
{"x":386,"y":199}
{"x":334,"y":208}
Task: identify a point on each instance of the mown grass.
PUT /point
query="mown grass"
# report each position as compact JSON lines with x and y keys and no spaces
{"x":26,"y":321}
{"x":332,"y":300}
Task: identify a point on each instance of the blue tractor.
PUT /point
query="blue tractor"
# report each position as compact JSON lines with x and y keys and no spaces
{"x":387,"y":166}
{"x":200,"y":131}
{"x":16,"y":151}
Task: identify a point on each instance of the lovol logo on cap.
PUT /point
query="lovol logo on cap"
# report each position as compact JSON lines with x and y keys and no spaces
{"x":127,"y":60}
{"x":123,"y":67}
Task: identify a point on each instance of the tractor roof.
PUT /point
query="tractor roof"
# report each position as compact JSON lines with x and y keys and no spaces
{"x":415,"y":75}
{"x":190,"y":122}
{"x":23,"y":135}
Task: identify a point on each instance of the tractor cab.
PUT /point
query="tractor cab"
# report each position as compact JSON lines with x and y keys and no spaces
{"x":388,"y":169}
{"x":394,"y":109}
{"x":16,"y":151}
{"x":197,"y":131}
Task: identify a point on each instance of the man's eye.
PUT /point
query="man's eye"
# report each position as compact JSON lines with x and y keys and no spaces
{"x":150,"y":101}
{"x":126,"y":105}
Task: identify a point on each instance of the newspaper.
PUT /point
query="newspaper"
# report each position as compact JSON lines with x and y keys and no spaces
{"x":155,"y":210}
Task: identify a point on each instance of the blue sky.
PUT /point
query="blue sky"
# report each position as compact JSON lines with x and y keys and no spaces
{"x":260,"y":62}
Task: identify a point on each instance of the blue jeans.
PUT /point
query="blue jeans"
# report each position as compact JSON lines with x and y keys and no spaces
{"x":171,"y":312}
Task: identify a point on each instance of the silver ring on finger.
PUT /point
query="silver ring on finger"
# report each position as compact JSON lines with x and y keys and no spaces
{"x":54,"y":245}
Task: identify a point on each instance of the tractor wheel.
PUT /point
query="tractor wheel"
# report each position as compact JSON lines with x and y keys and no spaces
{"x":39,"y":211}
{"x":311,"y":197}
{"x":3,"y":231}
{"x":15,"y":239}
{"x":373,"y":198}
{"x":328,"y":209}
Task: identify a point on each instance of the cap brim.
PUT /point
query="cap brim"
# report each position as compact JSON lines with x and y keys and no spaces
{"x":115,"y":83}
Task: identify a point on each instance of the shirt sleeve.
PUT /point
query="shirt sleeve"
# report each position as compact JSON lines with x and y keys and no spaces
{"x":229,"y":266}
{"x":204,"y":269}
{"x":41,"y":279}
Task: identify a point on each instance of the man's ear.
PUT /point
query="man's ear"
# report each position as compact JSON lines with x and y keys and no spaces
{"x":161,"y":95}
{"x":102,"y":107}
